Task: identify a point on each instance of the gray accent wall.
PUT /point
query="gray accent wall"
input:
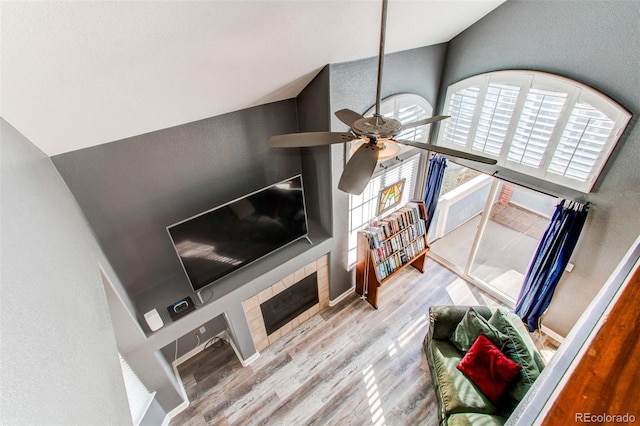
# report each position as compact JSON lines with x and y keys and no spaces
{"x":314,"y":115}
{"x":59,"y":357}
{"x":131,"y":190}
{"x":596,"y":43}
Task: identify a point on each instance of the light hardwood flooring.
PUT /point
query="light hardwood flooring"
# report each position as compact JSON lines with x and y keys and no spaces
{"x":350,"y":364}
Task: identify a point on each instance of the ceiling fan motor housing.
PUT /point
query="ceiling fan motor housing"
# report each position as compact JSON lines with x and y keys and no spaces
{"x":377,"y":127}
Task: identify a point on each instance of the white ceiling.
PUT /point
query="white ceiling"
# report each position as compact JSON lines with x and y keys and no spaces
{"x":79,"y":74}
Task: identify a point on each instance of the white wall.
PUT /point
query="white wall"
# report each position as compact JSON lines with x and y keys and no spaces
{"x":58,"y":351}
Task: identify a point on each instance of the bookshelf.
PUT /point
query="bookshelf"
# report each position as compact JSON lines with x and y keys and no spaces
{"x":392,"y":244}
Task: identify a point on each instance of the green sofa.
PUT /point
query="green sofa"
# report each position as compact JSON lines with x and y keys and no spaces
{"x":460,"y":401}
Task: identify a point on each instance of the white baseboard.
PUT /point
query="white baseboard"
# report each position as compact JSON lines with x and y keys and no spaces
{"x":244,"y":362}
{"x":180,"y":408}
{"x":547,"y":331}
{"x":250,"y":360}
{"x":344,"y":295}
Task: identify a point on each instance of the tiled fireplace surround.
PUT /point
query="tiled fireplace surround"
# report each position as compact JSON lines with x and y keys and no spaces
{"x":254,"y":314}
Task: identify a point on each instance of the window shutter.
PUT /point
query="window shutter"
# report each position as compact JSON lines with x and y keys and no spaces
{"x":139,"y":397}
{"x":405,"y":107}
{"x":583,"y":141}
{"x":541,"y":113}
{"x":539,"y":124}
{"x":407,"y":114}
{"x":495,"y":118}
{"x":364,"y":207}
{"x":462,"y":109}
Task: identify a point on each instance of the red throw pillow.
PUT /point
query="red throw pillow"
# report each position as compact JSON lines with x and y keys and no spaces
{"x":488,"y":368}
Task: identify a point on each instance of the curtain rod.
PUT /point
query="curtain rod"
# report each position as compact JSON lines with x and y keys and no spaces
{"x":582,"y":199}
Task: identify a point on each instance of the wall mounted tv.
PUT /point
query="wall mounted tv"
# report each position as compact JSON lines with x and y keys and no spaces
{"x":226,"y":238}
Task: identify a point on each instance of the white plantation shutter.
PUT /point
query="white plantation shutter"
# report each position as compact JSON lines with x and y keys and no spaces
{"x":540,"y":124}
{"x":139,"y":397}
{"x":537,"y":122}
{"x":462,"y":109}
{"x":406,"y":107}
{"x":495,"y":118}
{"x":409,"y":113}
{"x":582,"y":143}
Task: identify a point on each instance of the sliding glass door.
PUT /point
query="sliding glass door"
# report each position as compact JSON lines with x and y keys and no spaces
{"x":487,"y":230}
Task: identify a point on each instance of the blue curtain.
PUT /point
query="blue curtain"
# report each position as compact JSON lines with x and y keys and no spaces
{"x":549,"y":261}
{"x":435,"y":175}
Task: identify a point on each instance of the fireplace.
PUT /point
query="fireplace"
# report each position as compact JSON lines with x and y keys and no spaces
{"x":288,"y":304}
{"x":280,"y":308}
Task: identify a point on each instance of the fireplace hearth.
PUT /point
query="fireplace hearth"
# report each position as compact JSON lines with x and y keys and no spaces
{"x":290,"y":303}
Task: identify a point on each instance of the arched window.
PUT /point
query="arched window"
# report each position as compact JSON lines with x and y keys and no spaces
{"x":397,"y":179}
{"x":535,"y":123}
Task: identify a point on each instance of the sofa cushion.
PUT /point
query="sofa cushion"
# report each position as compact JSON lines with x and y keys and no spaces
{"x":517,"y":350}
{"x":488,"y":368}
{"x":522,"y":330}
{"x":470,"y":327}
{"x":458,"y":393}
{"x":475,"y":419}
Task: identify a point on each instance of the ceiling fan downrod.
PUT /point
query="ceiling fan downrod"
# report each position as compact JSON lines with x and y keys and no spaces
{"x":383,"y":25}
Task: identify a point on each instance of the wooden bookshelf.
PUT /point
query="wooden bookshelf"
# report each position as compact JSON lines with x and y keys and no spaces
{"x":395,"y":242}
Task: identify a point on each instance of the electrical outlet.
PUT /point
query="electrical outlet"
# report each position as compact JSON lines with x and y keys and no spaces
{"x":202,"y":330}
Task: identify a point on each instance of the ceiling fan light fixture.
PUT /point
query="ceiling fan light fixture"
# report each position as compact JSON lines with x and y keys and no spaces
{"x":388,"y":148}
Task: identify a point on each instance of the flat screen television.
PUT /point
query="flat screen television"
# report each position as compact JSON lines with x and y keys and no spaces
{"x":226,"y":238}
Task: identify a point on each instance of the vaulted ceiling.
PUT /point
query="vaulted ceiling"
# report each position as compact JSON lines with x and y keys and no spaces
{"x":79,"y":74}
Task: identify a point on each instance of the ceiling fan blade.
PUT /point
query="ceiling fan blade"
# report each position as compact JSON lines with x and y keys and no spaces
{"x":358,"y":170}
{"x":424,"y":121}
{"x":348,"y":116}
{"x":295,"y":140}
{"x":449,"y":152}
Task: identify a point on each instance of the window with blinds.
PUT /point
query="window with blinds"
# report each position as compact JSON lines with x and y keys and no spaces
{"x":495,"y":116}
{"x":406,"y":107}
{"x":139,"y":397}
{"x":540,"y":115}
{"x":363,"y":208}
{"x":409,"y":113}
{"x":582,"y":140}
{"x":462,"y":107}
{"x":540,"y":124}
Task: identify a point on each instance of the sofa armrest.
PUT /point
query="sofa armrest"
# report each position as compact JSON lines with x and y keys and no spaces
{"x":443,"y":320}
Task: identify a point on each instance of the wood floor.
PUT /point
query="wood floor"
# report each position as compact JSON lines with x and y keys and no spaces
{"x":350,"y":364}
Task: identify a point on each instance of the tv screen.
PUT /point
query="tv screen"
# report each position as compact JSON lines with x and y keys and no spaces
{"x":217,"y":242}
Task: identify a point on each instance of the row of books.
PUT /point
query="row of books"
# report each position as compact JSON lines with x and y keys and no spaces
{"x":402,"y":218}
{"x":399,"y":258}
{"x":382,"y":249}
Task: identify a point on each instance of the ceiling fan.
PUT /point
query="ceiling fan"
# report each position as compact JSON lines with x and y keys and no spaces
{"x":374,"y":131}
